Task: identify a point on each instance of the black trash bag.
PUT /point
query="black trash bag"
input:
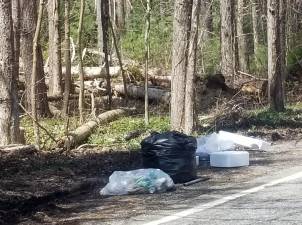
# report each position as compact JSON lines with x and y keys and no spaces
{"x":172,"y":152}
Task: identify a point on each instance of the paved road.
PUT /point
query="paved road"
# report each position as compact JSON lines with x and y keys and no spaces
{"x":276,"y":202}
{"x":269,"y":191}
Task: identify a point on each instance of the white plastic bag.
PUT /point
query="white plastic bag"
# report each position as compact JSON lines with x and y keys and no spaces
{"x":213,"y":143}
{"x":138,"y":181}
{"x":224,"y":141}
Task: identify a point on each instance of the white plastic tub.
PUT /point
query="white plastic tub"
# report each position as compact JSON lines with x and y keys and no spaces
{"x":229,"y":159}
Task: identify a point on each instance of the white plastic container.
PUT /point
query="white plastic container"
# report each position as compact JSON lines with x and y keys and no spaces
{"x":229,"y":159}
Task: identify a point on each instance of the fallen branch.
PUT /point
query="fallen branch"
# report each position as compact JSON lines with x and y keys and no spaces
{"x":138,"y":92}
{"x":83,"y":132}
{"x":252,"y":76}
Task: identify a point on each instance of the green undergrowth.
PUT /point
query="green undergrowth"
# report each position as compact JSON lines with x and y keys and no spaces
{"x":55,"y":126}
{"x":290,"y":117}
{"x":113,"y":134}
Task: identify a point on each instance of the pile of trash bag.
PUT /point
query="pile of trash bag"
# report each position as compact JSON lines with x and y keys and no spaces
{"x":172,"y":152}
{"x":138,"y":182}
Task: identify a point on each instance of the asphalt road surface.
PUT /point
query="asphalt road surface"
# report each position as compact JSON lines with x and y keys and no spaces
{"x":273,"y":201}
{"x":269,"y":191}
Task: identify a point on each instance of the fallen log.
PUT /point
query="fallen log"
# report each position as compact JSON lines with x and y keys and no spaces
{"x":155,"y":94}
{"x":83,"y":132}
{"x":91,"y":73}
{"x":163,"y":81}
{"x":17,"y":149}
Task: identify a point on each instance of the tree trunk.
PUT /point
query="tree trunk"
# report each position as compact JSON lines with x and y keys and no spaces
{"x":275,"y":54}
{"x":105,"y":28}
{"x":242,"y":51}
{"x":67,"y":59}
{"x":191,"y":70}
{"x":9,"y":133}
{"x":147,"y":53}
{"x":256,"y":36}
{"x":228,"y":55}
{"x":100,"y":29}
{"x":185,"y":32}
{"x":120,"y":18}
{"x":81,"y":95}
{"x":28,"y":25}
{"x":16,"y":28}
{"x":55,"y":64}
{"x":34,"y":75}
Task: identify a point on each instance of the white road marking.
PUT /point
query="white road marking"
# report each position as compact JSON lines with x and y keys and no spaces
{"x":209,"y":205}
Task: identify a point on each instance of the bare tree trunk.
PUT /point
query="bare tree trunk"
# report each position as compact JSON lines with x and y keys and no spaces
{"x":256,"y":38}
{"x":185,"y":33}
{"x":67,"y":59}
{"x":242,"y":51}
{"x":275,"y":54}
{"x":147,"y":53}
{"x":7,"y":129}
{"x":105,"y":28}
{"x":34,"y":75}
{"x":119,"y":56}
{"x":120,"y":17}
{"x":228,"y":55}
{"x":16,"y":28}
{"x":81,"y":95}
{"x":191,"y":70}
{"x":55,"y":64}
{"x":28,"y":25}
{"x":100,"y":29}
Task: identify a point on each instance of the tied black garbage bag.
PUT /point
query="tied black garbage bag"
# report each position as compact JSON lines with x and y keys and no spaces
{"x":172,"y":152}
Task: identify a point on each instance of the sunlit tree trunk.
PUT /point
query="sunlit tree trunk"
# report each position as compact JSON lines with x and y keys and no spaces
{"x":241,"y":38}
{"x":67,"y":58}
{"x":228,"y":54}
{"x":9,"y":133}
{"x":54,"y":50}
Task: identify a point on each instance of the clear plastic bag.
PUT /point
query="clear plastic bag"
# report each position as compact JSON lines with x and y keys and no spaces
{"x":138,"y":181}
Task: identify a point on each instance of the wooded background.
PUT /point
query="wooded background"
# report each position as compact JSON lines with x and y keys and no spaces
{"x":74,"y":58}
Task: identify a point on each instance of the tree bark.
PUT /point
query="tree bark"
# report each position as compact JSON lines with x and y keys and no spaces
{"x":81,"y":74}
{"x":55,"y":63}
{"x":16,"y":13}
{"x":241,"y":38}
{"x":7,"y":91}
{"x":105,"y":28}
{"x":256,"y":36}
{"x":185,"y":33}
{"x":28,"y":26}
{"x":275,"y":54}
{"x":191,"y":70}
{"x":100,"y":29}
{"x":181,"y":28}
{"x":147,"y":53}
{"x":228,"y":55}
{"x":67,"y":58}
{"x":34,"y":75}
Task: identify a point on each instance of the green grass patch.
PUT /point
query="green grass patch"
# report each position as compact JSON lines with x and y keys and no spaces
{"x":291,"y":117}
{"x":113,"y":134}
